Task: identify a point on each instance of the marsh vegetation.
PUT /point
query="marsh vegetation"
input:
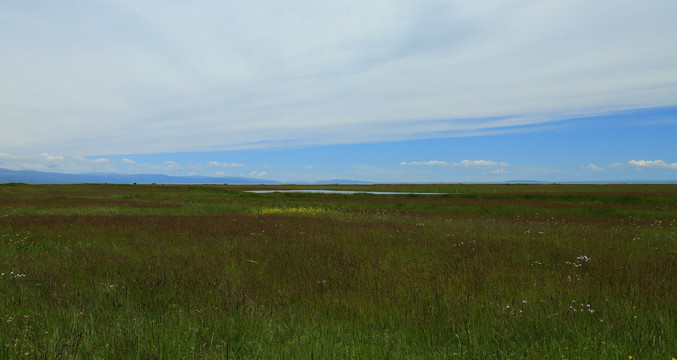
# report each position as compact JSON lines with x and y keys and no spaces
{"x":492,"y":271}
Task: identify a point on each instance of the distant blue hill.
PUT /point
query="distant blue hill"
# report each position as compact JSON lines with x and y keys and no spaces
{"x":39,"y":177}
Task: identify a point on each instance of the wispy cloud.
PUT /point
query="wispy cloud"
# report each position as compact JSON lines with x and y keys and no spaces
{"x":645,"y":165}
{"x":425,"y":163}
{"x":58,"y":163}
{"x":463,"y":163}
{"x":594,"y":167}
{"x":51,"y":158}
{"x":155,"y":76}
{"x":307,"y":166}
{"x":480,"y":163}
{"x":168,"y":167}
{"x":258,"y":174}
{"x":224,"y":164}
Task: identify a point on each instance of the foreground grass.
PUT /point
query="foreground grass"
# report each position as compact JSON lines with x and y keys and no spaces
{"x":210,"y":272}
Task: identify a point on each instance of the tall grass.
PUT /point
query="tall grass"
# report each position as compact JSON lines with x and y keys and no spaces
{"x":201,"y":272}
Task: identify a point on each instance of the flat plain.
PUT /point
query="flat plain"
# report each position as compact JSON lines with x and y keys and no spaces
{"x":213,"y":272}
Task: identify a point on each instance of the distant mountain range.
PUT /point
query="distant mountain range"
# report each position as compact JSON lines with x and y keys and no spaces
{"x":39,"y":177}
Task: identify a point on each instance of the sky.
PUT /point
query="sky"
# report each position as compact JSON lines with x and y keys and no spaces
{"x":382,"y":91}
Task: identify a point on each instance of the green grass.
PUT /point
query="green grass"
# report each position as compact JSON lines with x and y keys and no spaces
{"x":501,"y":271}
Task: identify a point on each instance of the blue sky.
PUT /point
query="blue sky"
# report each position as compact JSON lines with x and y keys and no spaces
{"x":386,"y":91}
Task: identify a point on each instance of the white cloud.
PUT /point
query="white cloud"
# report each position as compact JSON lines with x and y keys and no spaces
{"x":307,"y":166}
{"x":56,"y":163}
{"x":128,"y":161}
{"x":425,"y":163}
{"x":646,"y":165}
{"x":130,"y":77}
{"x":258,"y":174}
{"x":169,"y":167}
{"x":480,"y":163}
{"x":594,"y":167}
{"x":224,"y":164}
{"x":463,"y":163}
{"x":500,"y":171}
{"x":51,"y":158}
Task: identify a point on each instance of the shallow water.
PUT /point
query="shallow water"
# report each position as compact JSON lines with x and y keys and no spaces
{"x":345,"y":192}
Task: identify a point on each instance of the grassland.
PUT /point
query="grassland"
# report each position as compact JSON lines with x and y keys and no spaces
{"x":212,"y":272}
